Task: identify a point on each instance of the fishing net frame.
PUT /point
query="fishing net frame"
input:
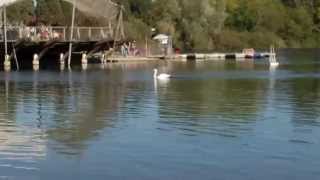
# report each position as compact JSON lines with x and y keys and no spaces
{"x":109,"y":11}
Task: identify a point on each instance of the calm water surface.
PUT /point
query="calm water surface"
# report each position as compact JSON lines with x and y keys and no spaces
{"x":214,"y":120}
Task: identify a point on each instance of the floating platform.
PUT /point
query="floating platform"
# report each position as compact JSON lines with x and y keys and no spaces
{"x":221,"y":56}
{"x":132,"y":59}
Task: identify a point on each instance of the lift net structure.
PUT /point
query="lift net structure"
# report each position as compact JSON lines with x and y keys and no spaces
{"x":106,"y":9}
{"x":7,"y":2}
{"x":109,"y":12}
{"x":98,"y":8}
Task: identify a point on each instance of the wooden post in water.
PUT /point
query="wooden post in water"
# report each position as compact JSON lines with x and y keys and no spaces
{"x":110,"y":29}
{"x":147,"y":51}
{"x":5,"y":29}
{"x":15,"y":56}
{"x":119,"y":28}
{"x":78,"y":33}
{"x":169,"y":46}
{"x":89,"y":33}
{"x":64,"y":34}
{"x":71,"y":33}
{"x":7,"y":62}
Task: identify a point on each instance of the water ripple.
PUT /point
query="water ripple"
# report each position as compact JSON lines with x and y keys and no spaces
{"x":220,"y":115}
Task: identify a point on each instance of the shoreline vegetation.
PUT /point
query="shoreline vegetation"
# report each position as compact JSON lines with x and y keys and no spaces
{"x":202,"y":26}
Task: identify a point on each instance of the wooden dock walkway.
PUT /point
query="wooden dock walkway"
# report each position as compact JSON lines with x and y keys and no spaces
{"x":49,"y":42}
{"x":22,"y":44}
{"x":50,"y":45}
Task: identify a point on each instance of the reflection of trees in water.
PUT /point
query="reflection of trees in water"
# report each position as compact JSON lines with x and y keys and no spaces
{"x":19,"y":140}
{"x":305,"y":101}
{"x":8,"y":98}
{"x":82,"y":112}
{"x":7,"y":101}
{"x":220,"y":103}
{"x":70,"y":112}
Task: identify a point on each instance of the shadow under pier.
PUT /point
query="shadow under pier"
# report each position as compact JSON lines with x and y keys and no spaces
{"x":49,"y":52}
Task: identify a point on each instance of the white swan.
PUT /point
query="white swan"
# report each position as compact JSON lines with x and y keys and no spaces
{"x":160,"y":76}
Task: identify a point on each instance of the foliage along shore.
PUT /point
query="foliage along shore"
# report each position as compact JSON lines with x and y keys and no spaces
{"x":201,"y":25}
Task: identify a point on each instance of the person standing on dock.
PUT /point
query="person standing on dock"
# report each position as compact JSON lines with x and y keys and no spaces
{"x":123,"y":50}
{"x":135,"y":50}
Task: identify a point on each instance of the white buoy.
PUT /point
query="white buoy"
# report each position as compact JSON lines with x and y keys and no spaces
{"x":36,"y":67}
{"x":7,"y":68}
{"x":102,"y":66}
{"x":84,"y":59}
{"x":62,"y":59}
{"x":62,"y":67}
{"x":84,"y":67}
{"x":35,"y":61}
{"x":103,"y":59}
{"x":7,"y":63}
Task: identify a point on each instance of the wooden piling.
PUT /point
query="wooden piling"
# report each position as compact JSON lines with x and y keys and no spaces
{"x":15,"y":57}
{"x":7,"y":62}
{"x":5,"y":29}
{"x":71,"y":34}
{"x":35,"y":60}
{"x":84,"y":59}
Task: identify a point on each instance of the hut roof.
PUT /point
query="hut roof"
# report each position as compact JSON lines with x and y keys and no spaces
{"x":161,"y":37}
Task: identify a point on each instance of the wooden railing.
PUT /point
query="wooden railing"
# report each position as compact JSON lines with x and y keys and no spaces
{"x":60,"y":33}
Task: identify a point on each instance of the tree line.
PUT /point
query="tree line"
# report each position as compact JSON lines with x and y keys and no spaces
{"x":201,"y":25}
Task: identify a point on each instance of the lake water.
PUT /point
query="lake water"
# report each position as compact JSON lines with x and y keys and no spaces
{"x":214,"y":120}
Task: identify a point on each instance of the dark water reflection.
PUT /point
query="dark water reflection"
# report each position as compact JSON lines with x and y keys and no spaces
{"x":214,"y":120}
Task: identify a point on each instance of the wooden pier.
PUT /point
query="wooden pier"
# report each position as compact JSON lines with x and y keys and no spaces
{"x":49,"y":43}
{"x":48,"y":46}
{"x":25,"y":46}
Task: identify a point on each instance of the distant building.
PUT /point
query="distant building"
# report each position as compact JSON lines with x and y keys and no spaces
{"x":165,"y":43}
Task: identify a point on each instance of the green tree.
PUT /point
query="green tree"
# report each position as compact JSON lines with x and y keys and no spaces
{"x":199,"y":25}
